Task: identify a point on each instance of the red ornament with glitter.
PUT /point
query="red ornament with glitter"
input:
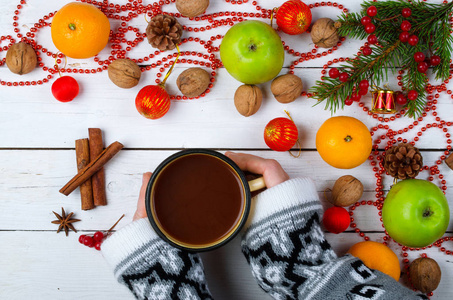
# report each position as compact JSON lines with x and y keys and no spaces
{"x":281,"y":134}
{"x":152,"y":101}
{"x":336,"y":219}
{"x":293,"y":17}
{"x":65,"y":89}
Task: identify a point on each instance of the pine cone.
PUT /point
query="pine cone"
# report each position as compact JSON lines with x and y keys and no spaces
{"x":164,"y":32}
{"x":403,"y":161}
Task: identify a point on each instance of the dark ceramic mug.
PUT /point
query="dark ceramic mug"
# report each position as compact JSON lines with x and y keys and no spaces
{"x":199,"y":199}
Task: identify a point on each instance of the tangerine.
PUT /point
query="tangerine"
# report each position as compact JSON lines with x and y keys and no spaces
{"x":377,"y":256}
{"x":343,"y":142}
{"x":80,"y":30}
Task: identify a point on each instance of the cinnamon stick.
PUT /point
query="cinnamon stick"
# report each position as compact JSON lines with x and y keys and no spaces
{"x":82,"y":150}
{"x":449,"y":161}
{"x":94,"y":166}
{"x":98,"y":179}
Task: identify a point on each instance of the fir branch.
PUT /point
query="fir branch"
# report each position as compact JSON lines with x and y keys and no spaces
{"x":430,"y":22}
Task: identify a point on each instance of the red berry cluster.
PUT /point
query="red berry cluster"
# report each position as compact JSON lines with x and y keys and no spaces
{"x":357,"y":93}
{"x":92,"y":241}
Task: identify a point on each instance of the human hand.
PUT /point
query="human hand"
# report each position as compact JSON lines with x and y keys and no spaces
{"x":140,"y":213}
{"x":271,"y":169}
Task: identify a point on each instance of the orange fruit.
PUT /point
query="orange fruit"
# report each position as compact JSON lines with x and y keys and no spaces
{"x":80,"y":30}
{"x":377,"y":256}
{"x":343,"y":142}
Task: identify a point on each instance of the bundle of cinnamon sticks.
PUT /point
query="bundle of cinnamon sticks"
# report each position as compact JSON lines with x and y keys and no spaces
{"x":91,"y":158}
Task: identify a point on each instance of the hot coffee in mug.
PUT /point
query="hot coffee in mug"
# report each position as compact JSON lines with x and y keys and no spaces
{"x":198,"y":199}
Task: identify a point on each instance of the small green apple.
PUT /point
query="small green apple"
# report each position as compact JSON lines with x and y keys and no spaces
{"x":415,"y":213}
{"x":252,"y":52}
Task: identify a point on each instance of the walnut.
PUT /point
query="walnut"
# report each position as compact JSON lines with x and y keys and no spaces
{"x":346,"y":191}
{"x":192,"y":8}
{"x":324,"y":33}
{"x":124,"y":73}
{"x":21,"y":58}
{"x":286,"y":88}
{"x":247,"y":99}
{"x":425,"y":274}
{"x":193,"y":82}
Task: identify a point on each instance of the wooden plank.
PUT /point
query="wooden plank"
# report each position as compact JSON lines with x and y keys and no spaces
{"x":49,"y":266}
{"x":29,"y":190}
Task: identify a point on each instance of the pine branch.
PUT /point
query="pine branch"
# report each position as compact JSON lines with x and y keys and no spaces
{"x":430,"y":22}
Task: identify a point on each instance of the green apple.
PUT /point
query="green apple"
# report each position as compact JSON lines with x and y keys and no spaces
{"x":252,"y":52}
{"x":415,"y":213}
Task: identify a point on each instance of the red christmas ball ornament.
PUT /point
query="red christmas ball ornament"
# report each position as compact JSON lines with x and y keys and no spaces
{"x":293,"y":17}
{"x":281,"y":134}
{"x":65,"y":89}
{"x":336,"y":219}
{"x":152,"y":101}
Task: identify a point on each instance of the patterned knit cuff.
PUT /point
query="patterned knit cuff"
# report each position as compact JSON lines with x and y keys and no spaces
{"x":287,"y":194}
{"x":127,"y":240}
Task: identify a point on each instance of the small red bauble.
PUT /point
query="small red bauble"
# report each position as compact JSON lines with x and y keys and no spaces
{"x":406,"y":12}
{"x":365,"y":20}
{"x":370,"y":28}
{"x":367,"y":51}
{"x":413,"y":40}
{"x":422,"y":67}
{"x":372,"y":39}
{"x":343,"y":77}
{"x":404,"y":36}
{"x":293,"y":17}
{"x":419,"y":56}
{"x":336,"y":219}
{"x":435,"y":60}
{"x":412,"y":95}
{"x":152,"y":101}
{"x":371,"y":11}
{"x":65,"y":89}
{"x":334,"y":73}
{"x":406,"y":25}
{"x":281,"y":134}
{"x":401,"y":99}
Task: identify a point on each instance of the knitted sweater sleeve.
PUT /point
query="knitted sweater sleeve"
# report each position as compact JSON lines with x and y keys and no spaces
{"x":291,"y":259}
{"x":151,"y":268}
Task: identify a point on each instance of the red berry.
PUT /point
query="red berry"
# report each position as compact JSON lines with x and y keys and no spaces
{"x":406,"y":25}
{"x":98,"y":236}
{"x":356,"y":97}
{"x":348,"y":101}
{"x":343,"y":77}
{"x":422,"y":67}
{"x":435,"y":60}
{"x":401,"y":99}
{"x":364,"y":85}
{"x":81,"y":237}
{"x":365,"y":20}
{"x":406,"y":12}
{"x":97,"y":246}
{"x":363,"y":92}
{"x":367,"y":51}
{"x":88,"y":241}
{"x":371,"y":11}
{"x":412,"y":95}
{"x":372,"y":39}
{"x":334,"y":73}
{"x":413,"y":40}
{"x":419,"y":56}
{"x":370,"y":28}
{"x":404,"y":36}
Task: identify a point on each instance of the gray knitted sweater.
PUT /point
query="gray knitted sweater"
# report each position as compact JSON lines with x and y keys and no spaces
{"x":282,"y":242}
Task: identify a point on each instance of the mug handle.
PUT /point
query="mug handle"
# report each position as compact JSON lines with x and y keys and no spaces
{"x":257,"y":184}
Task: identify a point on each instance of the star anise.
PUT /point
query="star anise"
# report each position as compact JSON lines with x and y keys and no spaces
{"x":65,"y":221}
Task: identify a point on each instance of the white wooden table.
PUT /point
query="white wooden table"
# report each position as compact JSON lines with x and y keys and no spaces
{"x":37,"y":158}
